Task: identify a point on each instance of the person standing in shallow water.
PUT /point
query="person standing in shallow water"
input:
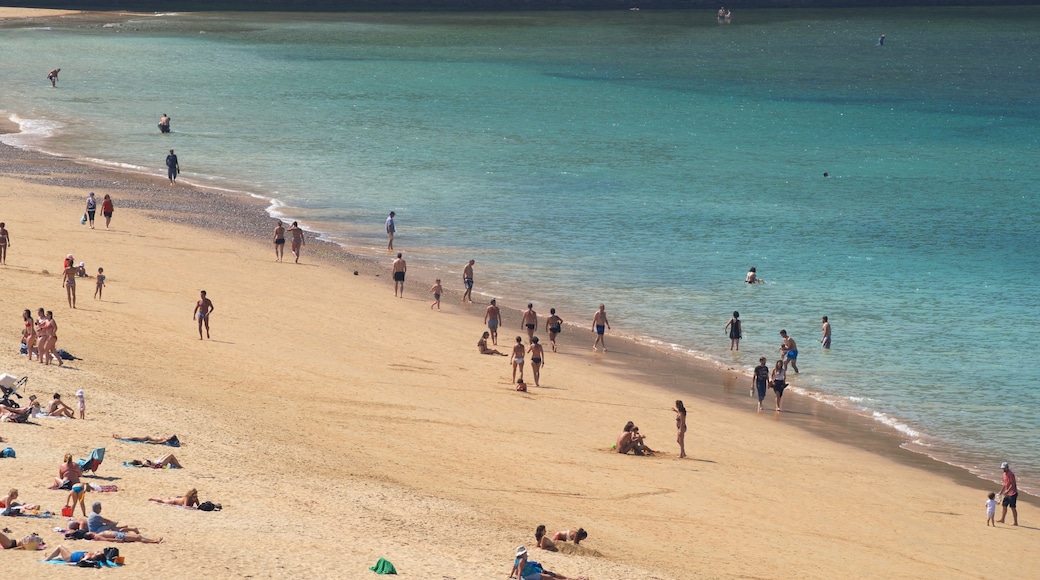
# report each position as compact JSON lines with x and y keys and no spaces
{"x":467,"y":281}
{"x":164,"y":124}
{"x":203,"y":310}
{"x":825,"y":340}
{"x":733,"y":326}
{"x":391,"y":229}
{"x":53,"y":77}
{"x":173,"y":167}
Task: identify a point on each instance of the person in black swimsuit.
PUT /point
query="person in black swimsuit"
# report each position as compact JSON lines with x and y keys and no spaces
{"x":537,"y":362}
{"x":279,"y":241}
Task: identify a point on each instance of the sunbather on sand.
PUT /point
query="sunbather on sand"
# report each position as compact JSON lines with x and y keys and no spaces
{"x":63,"y":554}
{"x":17,"y":414}
{"x":58,"y":408}
{"x":165,"y":460}
{"x":13,"y":508}
{"x":624,"y":442}
{"x":69,"y":473}
{"x":127,"y":537}
{"x":188,"y":500}
{"x":7,"y":543}
{"x":483,"y":347}
{"x":147,"y":439}
{"x":524,"y":570}
{"x":575,"y":536}
{"x":639,"y":442}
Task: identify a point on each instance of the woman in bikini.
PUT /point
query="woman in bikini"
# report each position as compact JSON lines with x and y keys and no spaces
{"x":68,"y":474}
{"x":536,"y":359}
{"x":188,"y":500}
{"x":554,"y":326}
{"x":52,"y":329}
{"x":517,"y":358}
{"x":483,"y":347}
{"x":43,"y":335}
{"x":575,"y":536}
{"x":778,"y":377}
{"x":5,"y":240}
{"x":29,"y":333}
{"x":680,"y":424}
{"x":543,"y":541}
{"x":68,"y":279}
{"x":13,"y":508}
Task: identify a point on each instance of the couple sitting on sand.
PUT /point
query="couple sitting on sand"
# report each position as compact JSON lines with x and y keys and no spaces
{"x":568,"y":535}
{"x":631,"y":440}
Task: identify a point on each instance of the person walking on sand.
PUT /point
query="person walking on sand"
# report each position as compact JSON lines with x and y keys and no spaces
{"x":760,"y":380}
{"x":789,"y":350}
{"x":106,"y":209}
{"x":68,"y":280}
{"x":1010,"y":493}
{"x":100,"y":285}
{"x":436,"y":291}
{"x":52,"y":340}
{"x":53,"y":77}
{"x":91,"y":209}
{"x":825,"y":340}
{"x":391,"y":229}
{"x":529,"y":320}
{"x":680,"y":425}
{"x":733,"y":326}
{"x":400,"y":267}
{"x":492,"y":318}
{"x":991,"y":510}
{"x":297,"y":240}
{"x":173,"y":167}
{"x":467,"y":281}
{"x":5,"y":242}
{"x":537,"y":361}
{"x":779,"y":380}
{"x":600,"y":325}
{"x":517,"y":358}
{"x":553,"y":325}
{"x":279,"y":241}
{"x":203,"y":309}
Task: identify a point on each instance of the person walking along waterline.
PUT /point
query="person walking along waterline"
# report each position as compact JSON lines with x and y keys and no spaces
{"x":391,"y":229}
{"x":467,"y":281}
{"x":91,"y":209}
{"x":298,"y":240}
{"x":600,"y":326}
{"x":1010,"y":493}
{"x":760,"y":380}
{"x":553,"y":325}
{"x":279,"y":241}
{"x":399,"y":269}
{"x":529,"y":320}
{"x":789,"y":350}
{"x":173,"y":167}
{"x":106,"y":209}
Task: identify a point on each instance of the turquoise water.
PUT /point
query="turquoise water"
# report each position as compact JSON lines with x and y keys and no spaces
{"x":641,"y":159}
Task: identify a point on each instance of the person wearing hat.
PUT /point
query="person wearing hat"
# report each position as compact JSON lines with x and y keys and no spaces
{"x":81,"y":403}
{"x":1010,"y":494}
{"x":91,"y":208}
{"x":525,"y":570}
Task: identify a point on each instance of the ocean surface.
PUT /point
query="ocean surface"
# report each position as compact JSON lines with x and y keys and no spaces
{"x":641,"y":159}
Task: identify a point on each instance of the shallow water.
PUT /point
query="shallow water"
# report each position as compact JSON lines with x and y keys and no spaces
{"x":641,"y":159}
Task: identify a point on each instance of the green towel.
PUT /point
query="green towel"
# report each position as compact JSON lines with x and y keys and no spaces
{"x":383,"y":566}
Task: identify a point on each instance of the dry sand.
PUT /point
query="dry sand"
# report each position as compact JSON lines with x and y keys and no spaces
{"x":337,"y":424}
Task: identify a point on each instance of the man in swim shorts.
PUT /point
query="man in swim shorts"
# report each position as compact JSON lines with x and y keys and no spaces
{"x":529,"y":320}
{"x":599,"y":326}
{"x":492,"y":316}
{"x":203,"y":308}
{"x":826,"y":339}
{"x":279,"y":241}
{"x":1010,"y":493}
{"x":399,"y":269}
{"x":467,"y":281}
{"x":790,"y":350}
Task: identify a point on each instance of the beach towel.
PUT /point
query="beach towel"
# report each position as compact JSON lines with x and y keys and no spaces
{"x":383,"y":566}
{"x":94,"y":461}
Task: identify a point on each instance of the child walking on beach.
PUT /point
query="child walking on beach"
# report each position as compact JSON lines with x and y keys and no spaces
{"x":100,"y":283}
{"x":991,"y":510}
{"x":82,"y":403}
{"x":436,"y":291}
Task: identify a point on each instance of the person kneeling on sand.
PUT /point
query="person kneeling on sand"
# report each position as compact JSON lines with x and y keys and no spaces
{"x":529,"y":570}
{"x":575,"y":536}
{"x":483,"y":347}
{"x":167,"y":460}
{"x":188,"y":500}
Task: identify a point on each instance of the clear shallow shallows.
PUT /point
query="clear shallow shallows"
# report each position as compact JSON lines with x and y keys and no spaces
{"x":641,"y":159}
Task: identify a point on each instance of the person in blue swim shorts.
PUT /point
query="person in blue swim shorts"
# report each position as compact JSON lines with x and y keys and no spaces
{"x":790,"y":351}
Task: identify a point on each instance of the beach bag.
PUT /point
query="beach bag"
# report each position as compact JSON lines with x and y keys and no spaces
{"x":208,"y":506}
{"x":65,"y":355}
{"x":174,"y":441}
{"x":88,"y":563}
{"x":83,"y":220}
{"x":111,"y":553}
{"x":77,"y":534}
{"x":7,"y":452}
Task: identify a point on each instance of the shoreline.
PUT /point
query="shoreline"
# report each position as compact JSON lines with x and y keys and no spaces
{"x":246,"y":216}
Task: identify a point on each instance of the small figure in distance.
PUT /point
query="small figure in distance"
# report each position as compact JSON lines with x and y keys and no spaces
{"x":391,"y":229}
{"x":53,"y":77}
{"x":537,"y":352}
{"x":553,"y":325}
{"x":991,"y":510}
{"x":467,"y":281}
{"x":492,"y":318}
{"x":760,"y":380}
{"x":779,"y":381}
{"x":149,"y":439}
{"x":521,"y":385}
{"x":881,"y":41}
{"x":5,"y":241}
{"x":599,"y":325}
{"x":81,"y":270}
{"x":483,"y":347}
{"x":733,"y":326}
{"x":91,"y":209}
{"x":100,"y":285}
{"x":575,"y":536}
{"x":173,"y":167}
{"x":825,"y":340}
{"x":790,"y":351}
{"x":524,"y":570}
{"x":436,"y":291}
{"x":81,"y":403}
{"x":279,"y":241}
{"x":517,"y":358}
{"x":68,"y":280}
{"x":680,"y":425}
{"x":203,"y":309}
{"x":188,"y":500}
{"x":639,"y":441}
{"x":752,"y":277}
{"x":164,"y":124}
{"x":529,"y":320}
{"x":106,"y":209}
{"x":399,"y":269}
{"x":297,"y":240}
